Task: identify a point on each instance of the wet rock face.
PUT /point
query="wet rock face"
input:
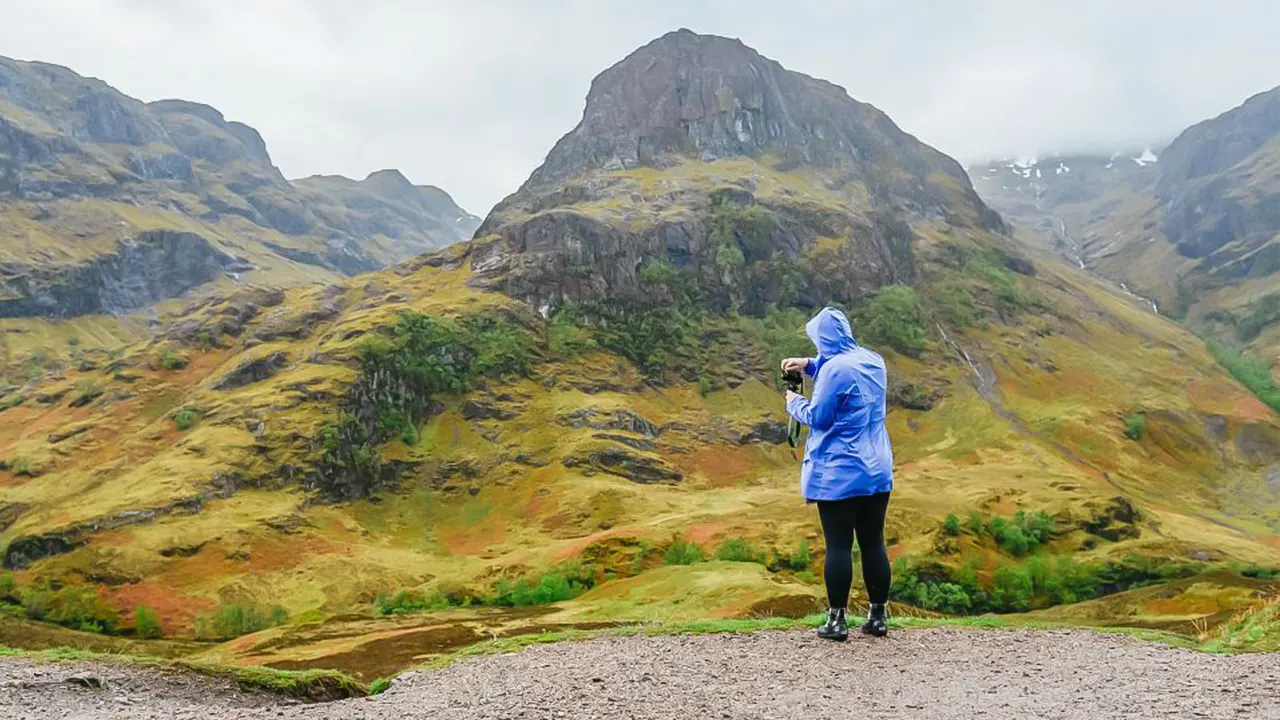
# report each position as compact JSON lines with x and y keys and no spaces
{"x":688,"y":95}
{"x":152,"y":266}
{"x":1203,"y":177}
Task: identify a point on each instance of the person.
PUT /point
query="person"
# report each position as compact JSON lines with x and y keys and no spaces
{"x":848,"y":465}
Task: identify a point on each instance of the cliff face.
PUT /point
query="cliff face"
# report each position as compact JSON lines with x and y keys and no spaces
{"x":692,"y":132}
{"x":86,"y":172}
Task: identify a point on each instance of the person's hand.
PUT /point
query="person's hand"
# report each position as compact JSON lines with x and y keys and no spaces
{"x":792,"y":395}
{"x":796,"y":364}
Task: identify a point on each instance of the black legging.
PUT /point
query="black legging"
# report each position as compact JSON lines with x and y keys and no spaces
{"x":841,"y":519}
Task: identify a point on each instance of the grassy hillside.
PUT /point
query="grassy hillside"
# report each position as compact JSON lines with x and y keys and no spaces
{"x":205,"y":473}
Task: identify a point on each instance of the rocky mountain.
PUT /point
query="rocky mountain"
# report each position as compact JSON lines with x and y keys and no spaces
{"x":110,"y":204}
{"x":581,"y":406}
{"x":1194,"y":228}
{"x":691,"y":130}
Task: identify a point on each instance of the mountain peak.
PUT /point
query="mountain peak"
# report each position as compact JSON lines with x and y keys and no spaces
{"x":705,"y":97}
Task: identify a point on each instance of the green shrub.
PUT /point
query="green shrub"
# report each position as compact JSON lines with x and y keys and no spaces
{"x":799,"y":561}
{"x":184,"y":420}
{"x":405,"y":602}
{"x":74,"y":606}
{"x":170,"y":360}
{"x":894,"y":317}
{"x":233,"y":620}
{"x":954,"y":305}
{"x":22,"y":467}
{"x":1253,"y":374}
{"x":682,"y":553}
{"x":737,"y":550}
{"x":951,"y":525}
{"x":1135,"y":425}
{"x":8,"y":588}
{"x":146,"y":622}
{"x":975,"y":523}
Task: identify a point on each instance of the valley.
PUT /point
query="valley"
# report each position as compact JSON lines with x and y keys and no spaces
{"x":344,"y":425}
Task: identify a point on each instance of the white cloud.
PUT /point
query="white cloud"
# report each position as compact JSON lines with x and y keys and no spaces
{"x":470,"y":94}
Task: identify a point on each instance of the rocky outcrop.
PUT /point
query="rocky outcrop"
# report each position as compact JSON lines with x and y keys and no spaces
{"x":151,"y":266}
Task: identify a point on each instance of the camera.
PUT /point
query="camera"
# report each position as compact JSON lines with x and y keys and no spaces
{"x":793,"y":380}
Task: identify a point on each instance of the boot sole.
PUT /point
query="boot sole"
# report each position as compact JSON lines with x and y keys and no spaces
{"x":834,"y":638}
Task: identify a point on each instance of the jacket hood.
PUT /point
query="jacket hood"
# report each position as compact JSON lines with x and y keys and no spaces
{"x":830,"y":333}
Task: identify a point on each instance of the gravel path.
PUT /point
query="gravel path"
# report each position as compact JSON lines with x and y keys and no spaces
{"x":939,"y":673}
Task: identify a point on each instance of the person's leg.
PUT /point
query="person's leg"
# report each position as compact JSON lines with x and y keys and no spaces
{"x":875,"y":561}
{"x":838,"y":519}
{"x":876,"y":573}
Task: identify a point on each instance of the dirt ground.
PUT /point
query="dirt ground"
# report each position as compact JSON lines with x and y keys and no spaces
{"x":936,"y":673}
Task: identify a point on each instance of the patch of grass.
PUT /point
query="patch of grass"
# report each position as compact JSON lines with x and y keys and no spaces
{"x":1251,"y":373}
{"x":11,"y":401}
{"x":1252,"y":629}
{"x":379,"y":686}
{"x":681,"y":552}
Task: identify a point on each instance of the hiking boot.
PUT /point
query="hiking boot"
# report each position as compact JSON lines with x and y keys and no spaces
{"x":835,"y":628}
{"x":876,"y":623}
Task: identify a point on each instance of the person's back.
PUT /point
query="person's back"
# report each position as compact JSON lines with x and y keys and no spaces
{"x":848,"y":463}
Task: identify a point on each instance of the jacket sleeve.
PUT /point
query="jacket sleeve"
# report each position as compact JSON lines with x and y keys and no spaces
{"x":820,"y":412}
{"x":811,"y":367}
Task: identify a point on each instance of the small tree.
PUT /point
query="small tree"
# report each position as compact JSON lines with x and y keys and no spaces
{"x":146,"y":622}
{"x":951,"y":525}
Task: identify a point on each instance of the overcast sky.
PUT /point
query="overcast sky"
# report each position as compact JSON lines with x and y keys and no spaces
{"x":471,"y":94}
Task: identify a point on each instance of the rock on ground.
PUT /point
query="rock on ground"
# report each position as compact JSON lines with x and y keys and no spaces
{"x":938,"y":673}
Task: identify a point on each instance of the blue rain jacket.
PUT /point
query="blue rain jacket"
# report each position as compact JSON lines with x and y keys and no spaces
{"x":847,"y":453}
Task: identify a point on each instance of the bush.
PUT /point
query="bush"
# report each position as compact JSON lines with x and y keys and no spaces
{"x":22,"y":467}
{"x":954,"y":305}
{"x":184,"y":419}
{"x":74,"y":606}
{"x":1135,"y":425}
{"x":146,"y":622}
{"x":682,"y":553}
{"x":8,"y":588}
{"x":975,"y":523}
{"x":1251,"y":373}
{"x":894,"y":317}
{"x":236,"y":619}
{"x":951,"y":525}
{"x":170,"y":360}
{"x":736,"y":550}
{"x":405,"y":602}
